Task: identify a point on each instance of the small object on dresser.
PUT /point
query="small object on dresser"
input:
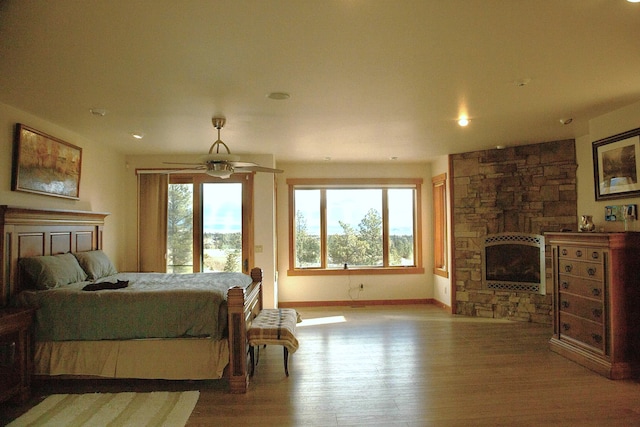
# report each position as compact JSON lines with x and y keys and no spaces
{"x":586,"y":223}
{"x":629,"y":214}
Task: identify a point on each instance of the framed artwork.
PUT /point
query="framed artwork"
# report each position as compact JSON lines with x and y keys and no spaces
{"x":45,"y":165}
{"x":616,"y":166}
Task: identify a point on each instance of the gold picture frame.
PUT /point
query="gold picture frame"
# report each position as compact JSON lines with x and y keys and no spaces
{"x":43,"y":164}
{"x":616,"y":166}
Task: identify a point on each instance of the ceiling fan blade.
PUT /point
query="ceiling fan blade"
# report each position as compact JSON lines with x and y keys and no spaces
{"x":239,"y":164}
{"x":190,"y":170}
{"x":183,"y":163}
{"x":170,"y":171}
{"x":253,"y":167}
{"x":256,"y":168}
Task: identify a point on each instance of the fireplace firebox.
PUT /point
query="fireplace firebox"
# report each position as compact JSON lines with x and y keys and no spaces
{"x":514,"y":262}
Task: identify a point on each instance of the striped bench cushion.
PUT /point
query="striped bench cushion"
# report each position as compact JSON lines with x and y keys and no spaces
{"x":274,"y":326}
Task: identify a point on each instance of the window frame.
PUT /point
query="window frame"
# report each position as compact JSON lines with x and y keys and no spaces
{"x":440,"y":225}
{"x":355,"y":183}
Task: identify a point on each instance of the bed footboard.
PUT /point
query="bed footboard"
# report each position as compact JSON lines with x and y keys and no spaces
{"x":243,"y":306}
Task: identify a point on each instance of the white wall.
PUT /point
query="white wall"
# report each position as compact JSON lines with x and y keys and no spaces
{"x":345,"y":287}
{"x":610,"y":124}
{"x":101,"y":180}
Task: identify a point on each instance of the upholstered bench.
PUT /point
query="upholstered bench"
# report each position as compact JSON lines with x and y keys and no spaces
{"x":273,"y":326}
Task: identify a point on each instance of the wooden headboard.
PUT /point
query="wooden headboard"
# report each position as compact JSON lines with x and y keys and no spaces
{"x":28,"y":232}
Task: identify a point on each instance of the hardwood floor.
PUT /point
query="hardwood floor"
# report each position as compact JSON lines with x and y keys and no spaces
{"x":405,"y":366}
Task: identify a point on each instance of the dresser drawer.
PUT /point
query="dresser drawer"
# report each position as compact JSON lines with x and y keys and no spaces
{"x":585,"y":331}
{"x":582,"y":307}
{"x":580,"y":286}
{"x":590,"y":270}
{"x":580,"y":253}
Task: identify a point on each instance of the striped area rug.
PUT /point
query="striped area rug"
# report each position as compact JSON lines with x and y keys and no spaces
{"x":112,"y":409}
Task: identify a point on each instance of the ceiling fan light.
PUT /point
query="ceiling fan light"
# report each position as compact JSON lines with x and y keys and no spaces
{"x":219,"y":174}
{"x":219,"y":170}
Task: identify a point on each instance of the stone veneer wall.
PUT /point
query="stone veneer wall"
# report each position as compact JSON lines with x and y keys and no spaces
{"x":526,"y":189}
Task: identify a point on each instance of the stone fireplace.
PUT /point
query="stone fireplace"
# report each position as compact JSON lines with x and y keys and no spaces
{"x":527,"y":189}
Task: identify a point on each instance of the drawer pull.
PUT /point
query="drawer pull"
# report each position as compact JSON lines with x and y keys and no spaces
{"x":578,"y":253}
{"x":565,"y":252}
{"x":568,"y":268}
{"x":596,"y":292}
{"x":591,"y":271}
{"x":566,"y":326}
{"x":595,"y":255}
{"x":597,"y":312}
{"x":597,"y":338}
{"x":565,"y":304}
{"x":565,"y":284}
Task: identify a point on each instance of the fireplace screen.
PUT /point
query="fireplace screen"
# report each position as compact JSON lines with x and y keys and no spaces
{"x":514,"y":262}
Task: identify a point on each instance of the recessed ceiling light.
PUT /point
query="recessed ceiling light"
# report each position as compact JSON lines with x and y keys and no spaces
{"x":568,"y":120}
{"x":463,"y":121}
{"x":99,"y":112}
{"x":137,"y":135}
{"x":522,"y":82}
{"x":633,"y":1}
{"x":279,"y":96}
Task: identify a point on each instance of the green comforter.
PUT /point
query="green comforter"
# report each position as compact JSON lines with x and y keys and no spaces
{"x":153,"y":305}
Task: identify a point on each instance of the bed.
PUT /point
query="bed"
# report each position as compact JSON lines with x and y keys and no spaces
{"x":207,"y":313}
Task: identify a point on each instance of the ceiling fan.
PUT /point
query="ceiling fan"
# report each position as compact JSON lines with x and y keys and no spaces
{"x":222,"y":165}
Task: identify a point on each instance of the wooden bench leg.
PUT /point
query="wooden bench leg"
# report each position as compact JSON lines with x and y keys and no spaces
{"x":286,"y":360}
{"x":251,"y":357}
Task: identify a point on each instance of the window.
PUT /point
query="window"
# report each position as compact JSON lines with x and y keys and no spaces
{"x":440,"y":225}
{"x":222,"y":226}
{"x":208,"y":223}
{"x":180,"y":228}
{"x":367,"y":225}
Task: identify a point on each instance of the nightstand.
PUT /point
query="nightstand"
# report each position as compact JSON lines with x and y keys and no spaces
{"x":16,"y":361}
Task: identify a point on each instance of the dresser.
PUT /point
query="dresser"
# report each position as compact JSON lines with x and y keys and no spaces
{"x":596,"y":304}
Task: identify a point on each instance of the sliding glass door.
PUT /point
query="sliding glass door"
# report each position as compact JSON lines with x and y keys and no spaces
{"x":210,"y":223}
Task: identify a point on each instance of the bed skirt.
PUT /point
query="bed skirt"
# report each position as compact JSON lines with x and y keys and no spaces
{"x":170,"y":359}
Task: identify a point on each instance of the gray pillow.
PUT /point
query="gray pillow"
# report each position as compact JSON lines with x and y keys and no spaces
{"x":96,"y":264}
{"x":52,"y":271}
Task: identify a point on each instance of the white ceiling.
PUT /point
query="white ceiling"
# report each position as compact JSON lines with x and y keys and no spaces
{"x":369,"y":79}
